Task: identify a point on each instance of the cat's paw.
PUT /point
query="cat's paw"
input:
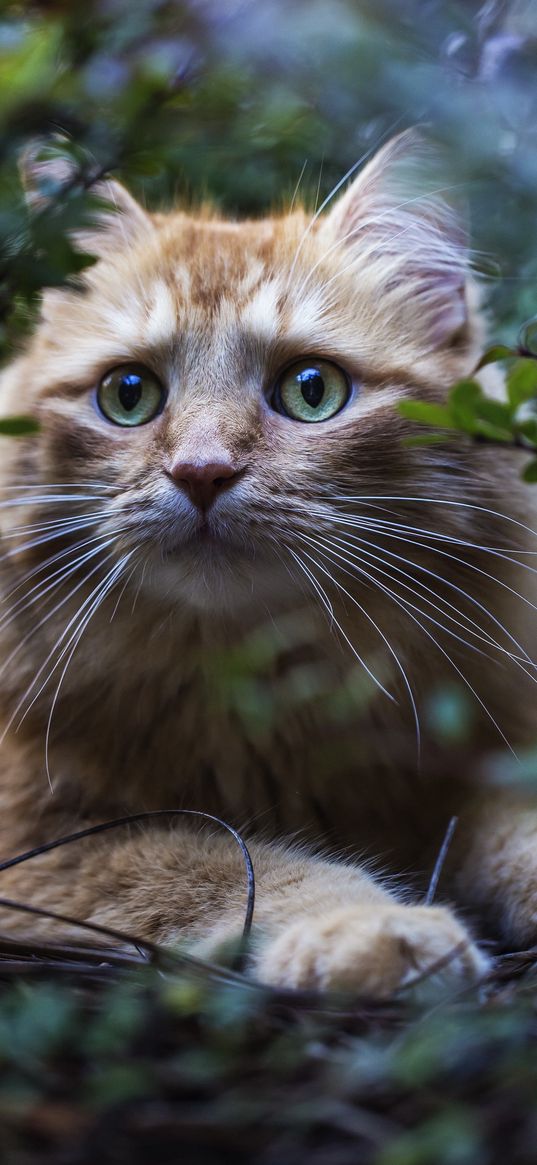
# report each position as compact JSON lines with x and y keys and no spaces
{"x":372,"y":952}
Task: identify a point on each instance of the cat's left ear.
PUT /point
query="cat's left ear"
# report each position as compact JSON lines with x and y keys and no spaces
{"x":115,"y":219}
{"x":408,"y":239}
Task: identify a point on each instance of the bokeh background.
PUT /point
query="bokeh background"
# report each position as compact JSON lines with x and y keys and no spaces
{"x":244,"y":100}
{"x":251,"y":103}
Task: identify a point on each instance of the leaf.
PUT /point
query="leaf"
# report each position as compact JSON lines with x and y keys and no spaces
{"x":493,"y":355}
{"x":527,"y":337}
{"x":490,"y":431}
{"x":495,"y":412}
{"x":462,"y":402}
{"x":18,"y":426}
{"x":426,"y":413}
{"x":522,"y":382}
{"x":424,"y":439}
{"x":528,"y":430}
{"x":530,"y":472}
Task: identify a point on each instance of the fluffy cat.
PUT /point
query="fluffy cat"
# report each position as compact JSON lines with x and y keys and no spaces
{"x":221,"y":512}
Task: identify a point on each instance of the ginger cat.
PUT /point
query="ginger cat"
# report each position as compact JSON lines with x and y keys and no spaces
{"x":221,"y":476}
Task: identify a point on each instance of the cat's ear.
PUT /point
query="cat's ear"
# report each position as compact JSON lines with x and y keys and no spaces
{"x":113,"y":218}
{"x":396,"y":218}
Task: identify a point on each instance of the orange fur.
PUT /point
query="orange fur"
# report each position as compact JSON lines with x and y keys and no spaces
{"x":152,"y":709}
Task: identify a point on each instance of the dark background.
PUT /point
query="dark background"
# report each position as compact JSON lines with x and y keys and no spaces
{"x":240,"y":100}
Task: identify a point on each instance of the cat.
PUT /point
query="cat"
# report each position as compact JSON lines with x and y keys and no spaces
{"x":232,"y":583}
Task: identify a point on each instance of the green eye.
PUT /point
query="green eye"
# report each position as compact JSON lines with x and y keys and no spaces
{"x":312,"y":390}
{"x":130,"y":395}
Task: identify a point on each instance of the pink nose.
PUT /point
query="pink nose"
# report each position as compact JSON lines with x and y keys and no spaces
{"x":204,"y":481}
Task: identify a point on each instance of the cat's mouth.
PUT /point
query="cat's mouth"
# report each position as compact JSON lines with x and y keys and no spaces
{"x":205,"y":533}
{"x":207,"y":540}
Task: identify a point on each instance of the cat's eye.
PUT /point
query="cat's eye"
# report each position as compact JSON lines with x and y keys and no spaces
{"x":311,"y":390}
{"x":130,"y":395}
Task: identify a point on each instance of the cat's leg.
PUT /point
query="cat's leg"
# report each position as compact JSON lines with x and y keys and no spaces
{"x":494,"y":864}
{"x":318,"y":923}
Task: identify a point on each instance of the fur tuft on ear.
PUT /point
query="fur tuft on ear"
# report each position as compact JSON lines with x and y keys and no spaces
{"x":396,"y":216}
{"x":50,"y":173}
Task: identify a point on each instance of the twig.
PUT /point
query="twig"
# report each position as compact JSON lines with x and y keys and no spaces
{"x":439,"y":864}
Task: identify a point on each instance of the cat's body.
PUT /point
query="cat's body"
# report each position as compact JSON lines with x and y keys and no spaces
{"x":214,"y":674}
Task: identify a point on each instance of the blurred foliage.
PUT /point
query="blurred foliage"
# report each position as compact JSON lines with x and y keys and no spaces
{"x":243,"y":100}
{"x":251,"y":102}
{"x":178,"y":1067}
{"x":511,"y":421}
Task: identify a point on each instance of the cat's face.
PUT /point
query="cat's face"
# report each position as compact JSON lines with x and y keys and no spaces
{"x":217,"y":388}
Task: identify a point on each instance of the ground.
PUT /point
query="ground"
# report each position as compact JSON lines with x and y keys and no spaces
{"x":108,"y":1059}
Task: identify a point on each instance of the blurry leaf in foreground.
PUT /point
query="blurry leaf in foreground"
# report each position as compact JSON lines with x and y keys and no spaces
{"x":493,"y":355}
{"x":522,"y":382}
{"x":527,"y":337}
{"x":18,"y":426}
{"x":469,"y":409}
{"x":521,"y":770}
{"x":530,"y":472}
{"x":449,"y":714}
{"x":426,"y":413}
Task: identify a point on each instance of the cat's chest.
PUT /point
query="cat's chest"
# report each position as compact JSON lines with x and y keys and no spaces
{"x":240,"y":751}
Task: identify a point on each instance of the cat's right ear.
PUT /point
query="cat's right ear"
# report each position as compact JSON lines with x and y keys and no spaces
{"x":114,"y":218}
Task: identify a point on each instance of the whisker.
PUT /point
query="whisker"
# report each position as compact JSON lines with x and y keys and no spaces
{"x":58,"y":576}
{"x":363,"y":542}
{"x":431,"y":619}
{"x":46,"y":563}
{"x":23,"y":484}
{"x":51,"y":536}
{"x":53,"y":524}
{"x":413,"y":541}
{"x":297,"y":187}
{"x":433,"y":502}
{"x":404,"y":606}
{"x":101,"y":592}
{"x":32,"y":632}
{"x":47,"y":499}
{"x":450,"y":539}
{"x":386,"y":641}
{"x":329,"y":607}
{"x":352,"y":170}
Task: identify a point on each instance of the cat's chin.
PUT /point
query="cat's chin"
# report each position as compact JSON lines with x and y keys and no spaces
{"x":219,"y":581}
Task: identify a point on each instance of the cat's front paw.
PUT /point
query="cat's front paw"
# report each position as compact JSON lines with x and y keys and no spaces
{"x":372,"y":952}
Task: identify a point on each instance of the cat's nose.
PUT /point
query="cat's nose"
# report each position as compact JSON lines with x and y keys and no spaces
{"x":203,"y":481}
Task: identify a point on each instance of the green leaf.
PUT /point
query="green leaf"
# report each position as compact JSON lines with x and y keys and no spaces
{"x":527,"y":336}
{"x":462,"y":403}
{"x":490,"y":431}
{"x":498,"y":352}
{"x":528,"y":430}
{"x":18,"y":426}
{"x":495,"y":412}
{"x":424,"y":439}
{"x":530,"y":472}
{"x":426,"y":413}
{"x":522,"y":382}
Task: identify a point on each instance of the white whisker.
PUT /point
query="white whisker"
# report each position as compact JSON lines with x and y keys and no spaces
{"x":58,"y":576}
{"x":426,"y":615}
{"x":326,"y":602}
{"x":366,"y":543}
{"x":413,"y":541}
{"x":406,"y":607}
{"x":25,"y":639}
{"x":387,"y":643}
{"x":100,"y":592}
{"x":433,"y":502}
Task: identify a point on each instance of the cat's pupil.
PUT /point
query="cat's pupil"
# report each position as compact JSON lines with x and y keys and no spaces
{"x":312,"y":386}
{"x":130,"y":391}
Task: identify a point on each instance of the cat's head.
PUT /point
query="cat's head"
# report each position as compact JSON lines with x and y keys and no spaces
{"x":213,"y":389}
